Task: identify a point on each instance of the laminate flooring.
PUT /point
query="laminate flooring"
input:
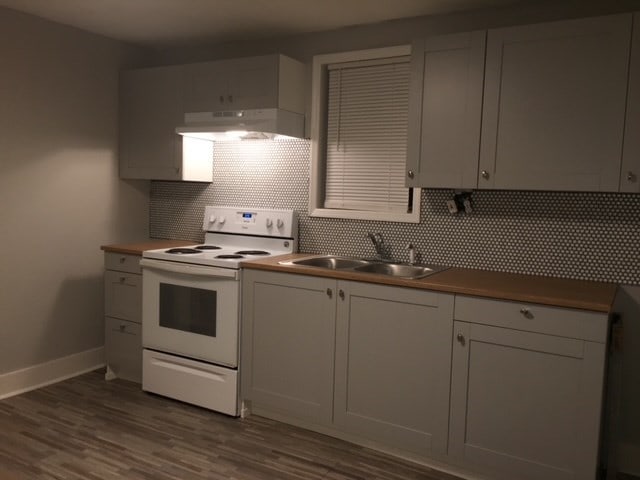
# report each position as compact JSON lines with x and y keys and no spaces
{"x":89,"y":429}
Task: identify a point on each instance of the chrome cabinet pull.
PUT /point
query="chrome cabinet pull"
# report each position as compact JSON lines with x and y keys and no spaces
{"x":410,"y":174}
{"x":329,"y":293}
{"x":631,"y":177}
{"x":526,"y":312}
{"x":484,"y":174}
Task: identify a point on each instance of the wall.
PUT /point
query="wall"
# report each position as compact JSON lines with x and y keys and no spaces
{"x":60,"y":196}
{"x":590,"y":236}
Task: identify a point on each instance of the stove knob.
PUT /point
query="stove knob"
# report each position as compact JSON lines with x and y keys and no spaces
{"x":221,"y":220}
{"x":280,"y":223}
{"x":212,"y":219}
{"x":269,"y":223}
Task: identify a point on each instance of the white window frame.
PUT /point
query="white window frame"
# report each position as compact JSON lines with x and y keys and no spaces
{"x":318,"y":116}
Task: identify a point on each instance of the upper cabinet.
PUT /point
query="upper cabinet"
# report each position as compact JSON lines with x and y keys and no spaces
{"x":153,"y":102}
{"x":270,"y":81}
{"x":150,"y":110}
{"x":630,"y":172}
{"x":554,"y":106}
{"x":445,"y":112}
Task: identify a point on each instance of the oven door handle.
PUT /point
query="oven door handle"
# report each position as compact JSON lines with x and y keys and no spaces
{"x":188,"y":269}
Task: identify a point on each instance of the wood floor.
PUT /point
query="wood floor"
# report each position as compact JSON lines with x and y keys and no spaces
{"x":86,"y":428}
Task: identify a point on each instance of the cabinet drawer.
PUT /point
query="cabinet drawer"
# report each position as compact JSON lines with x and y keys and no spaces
{"x":564,"y":322}
{"x":122,"y":262}
{"x":123,"y":296}
{"x":123,"y":348}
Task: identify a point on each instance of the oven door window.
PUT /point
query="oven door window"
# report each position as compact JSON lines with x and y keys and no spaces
{"x":188,"y":309}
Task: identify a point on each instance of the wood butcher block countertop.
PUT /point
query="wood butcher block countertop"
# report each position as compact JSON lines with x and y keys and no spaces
{"x":139,"y":247}
{"x":559,"y":292}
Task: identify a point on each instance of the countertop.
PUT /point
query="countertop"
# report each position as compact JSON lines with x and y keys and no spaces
{"x":139,"y":247}
{"x":559,"y":292}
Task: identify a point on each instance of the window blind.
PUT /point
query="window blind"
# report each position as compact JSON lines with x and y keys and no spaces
{"x":367,"y":118}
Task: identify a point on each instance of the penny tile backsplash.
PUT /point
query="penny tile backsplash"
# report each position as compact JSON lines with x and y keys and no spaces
{"x":590,"y":236}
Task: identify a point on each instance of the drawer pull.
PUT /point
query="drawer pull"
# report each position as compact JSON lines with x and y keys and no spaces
{"x":526,"y":312}
{"x":123,"y":327}
{"x":341,"y":294}
{"x":123,"y":259}
{"x":460,"y":338}
{"x":123,"y":279}
{"x":329,"y":293}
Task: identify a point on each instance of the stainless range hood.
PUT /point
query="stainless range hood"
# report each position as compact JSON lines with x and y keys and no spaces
{"x":266,"y":123}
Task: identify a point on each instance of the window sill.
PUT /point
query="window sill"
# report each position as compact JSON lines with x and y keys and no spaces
{"x":366,"y":215}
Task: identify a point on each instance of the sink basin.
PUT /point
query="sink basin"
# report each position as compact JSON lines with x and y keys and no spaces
{"x":400,"y":270}
{"x":397,"y":270}
{"x":334,"y":263}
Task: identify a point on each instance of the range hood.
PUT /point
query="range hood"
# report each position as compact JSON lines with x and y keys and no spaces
{"x":266,"y":123}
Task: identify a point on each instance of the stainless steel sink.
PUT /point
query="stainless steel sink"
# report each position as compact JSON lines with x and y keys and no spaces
{"x":397,"y":270}
{"x":328,"y":261}
{"x":400,"y":270}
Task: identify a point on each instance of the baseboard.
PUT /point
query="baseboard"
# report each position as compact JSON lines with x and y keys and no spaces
{"x":629,"y":458}
{"x":43,"y":374}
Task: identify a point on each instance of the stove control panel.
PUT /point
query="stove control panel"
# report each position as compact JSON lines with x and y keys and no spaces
{"x":251,"y":221}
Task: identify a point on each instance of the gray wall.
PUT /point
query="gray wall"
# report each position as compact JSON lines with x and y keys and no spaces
{"x":60,"y":196}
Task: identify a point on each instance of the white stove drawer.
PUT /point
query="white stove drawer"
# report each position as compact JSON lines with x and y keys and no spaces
{"x":198,"y":383}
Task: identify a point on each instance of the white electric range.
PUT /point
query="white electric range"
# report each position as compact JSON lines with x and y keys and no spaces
{"x":191,"y":304}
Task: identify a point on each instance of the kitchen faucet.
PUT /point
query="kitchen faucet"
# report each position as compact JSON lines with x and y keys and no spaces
{"x":382,"y":252}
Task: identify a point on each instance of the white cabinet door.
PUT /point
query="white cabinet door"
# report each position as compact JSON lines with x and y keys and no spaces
{"x":123,"y":295}
{"x":123,"y":349}
{"x":554,"y":105}
{"x":525,"y":405}
{"x":243,"y":83}
{"x":288,"y":332}
{"x":445,"y":110}
{"x":393,"y":365}
{"x":630,"y":172}
{"x":150,"y":111}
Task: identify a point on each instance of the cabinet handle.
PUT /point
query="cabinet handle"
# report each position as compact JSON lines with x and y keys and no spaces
{"x":230,"y":98}
{"x":631,"y":176}
{"x":122,"y":279}
{"x":123,"y":259}
{"x":329,"y":293}
{"x":122,"y":327}
{"x":526,"y":312}
{"x":410,"y":174}
{"x":460,"y":338}
{"x":221,"y":99}
{"x":341,"y":294}
{"x":484,"y":174}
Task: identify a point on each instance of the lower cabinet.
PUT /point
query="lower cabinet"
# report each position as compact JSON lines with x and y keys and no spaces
{"x":288,"y":332}
{"x":122,"y":343}
{"x":527,"y":405}
{"x":367,"y":360}
{"x":504,"y":389}
{"x":123,"y":316}
{"x":393,"y":360}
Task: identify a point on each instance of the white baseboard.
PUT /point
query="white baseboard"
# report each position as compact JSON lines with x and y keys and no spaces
{"x":629,"y":458}
{"x":43,"y":374}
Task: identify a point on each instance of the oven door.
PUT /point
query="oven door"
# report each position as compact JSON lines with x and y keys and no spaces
{"x":191,"y":310}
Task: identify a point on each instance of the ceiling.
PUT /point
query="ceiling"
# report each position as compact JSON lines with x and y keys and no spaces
{"x":168,"y":23}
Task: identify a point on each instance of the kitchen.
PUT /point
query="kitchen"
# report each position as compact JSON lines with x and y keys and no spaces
{"x":60,"y":190}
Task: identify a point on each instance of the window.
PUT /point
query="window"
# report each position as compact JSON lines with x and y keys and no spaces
{"x":359,"y":136}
